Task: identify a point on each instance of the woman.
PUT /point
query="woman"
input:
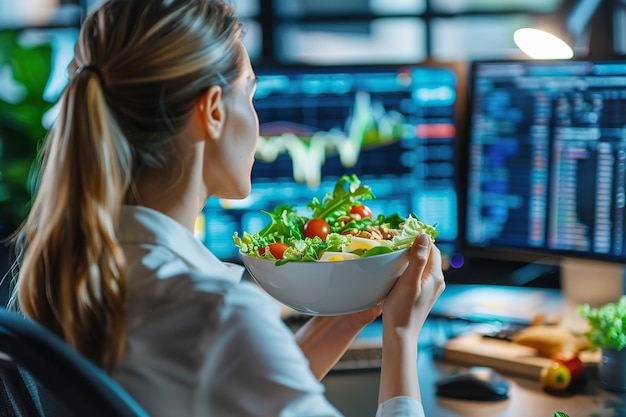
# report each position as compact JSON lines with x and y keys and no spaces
{"x":157,"y":118}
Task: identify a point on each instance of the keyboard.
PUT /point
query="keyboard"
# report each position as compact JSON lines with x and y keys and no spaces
{"x":360,"y":358}
{"x":364,"y":353}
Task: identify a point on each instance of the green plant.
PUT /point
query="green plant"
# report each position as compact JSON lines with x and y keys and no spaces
{"x":560,"y":414}
{"x":21,"y":128}
{"x":607,"y":324}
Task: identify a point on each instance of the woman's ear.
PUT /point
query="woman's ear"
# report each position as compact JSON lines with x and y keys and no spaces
{"x":210,"y":107}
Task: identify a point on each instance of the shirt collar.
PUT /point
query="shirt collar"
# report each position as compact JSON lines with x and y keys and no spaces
{"x":143,"y":225}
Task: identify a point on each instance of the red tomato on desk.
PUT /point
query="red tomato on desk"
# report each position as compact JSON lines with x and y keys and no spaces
{"x":573,"y":363}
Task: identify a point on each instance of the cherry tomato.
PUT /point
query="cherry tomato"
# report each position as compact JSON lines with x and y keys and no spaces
{"x":276,"y":249}
{"x":316,"y":227}
{"x":573,"y":363}
{"x":361,"y":210}
{"x":556,"y":377}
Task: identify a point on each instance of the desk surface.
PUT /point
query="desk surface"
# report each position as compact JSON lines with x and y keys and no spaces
{"x":355,"y":393}
{"x":493,"y":302}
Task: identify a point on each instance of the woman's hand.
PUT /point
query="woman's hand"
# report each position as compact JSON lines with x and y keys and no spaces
{"x":404,"y":312}
{"x":408,"y":304}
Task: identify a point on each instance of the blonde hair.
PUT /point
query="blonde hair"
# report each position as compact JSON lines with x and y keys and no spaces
{"x":139,"y":67}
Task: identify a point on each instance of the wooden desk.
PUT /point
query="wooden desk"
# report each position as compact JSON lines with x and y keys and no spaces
{"x":355,"y":394}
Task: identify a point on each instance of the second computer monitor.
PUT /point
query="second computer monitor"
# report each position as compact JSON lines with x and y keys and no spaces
{"x":393,"y":126}
{"x":547,"y":158}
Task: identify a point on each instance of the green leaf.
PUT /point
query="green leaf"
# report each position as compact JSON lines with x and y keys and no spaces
{"x":411,"y":230}
{"x":378,"y":250}
{"x":285,"y":224}
{"x":21,"y":129}
{"x":31,"y":66}
{"x":392,"y":222}
{"x":607,"y":324}
{"x":348,"y":190}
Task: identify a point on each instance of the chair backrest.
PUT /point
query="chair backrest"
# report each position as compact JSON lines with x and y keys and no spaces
{"x":37,"y":369}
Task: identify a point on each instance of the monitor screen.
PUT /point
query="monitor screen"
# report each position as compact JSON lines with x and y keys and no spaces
{"x":393,"y":126}
{"x":546,"y":158}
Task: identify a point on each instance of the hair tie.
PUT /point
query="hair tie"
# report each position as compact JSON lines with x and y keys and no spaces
{"x":93,"y":69}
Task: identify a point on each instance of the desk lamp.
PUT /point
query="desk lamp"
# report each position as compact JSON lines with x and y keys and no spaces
{"x":567,"y":33}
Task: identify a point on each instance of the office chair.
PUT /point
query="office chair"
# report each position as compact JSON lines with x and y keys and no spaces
{"x":42,"y":376}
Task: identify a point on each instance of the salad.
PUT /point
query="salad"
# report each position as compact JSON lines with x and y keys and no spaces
{"x":341,"y":227}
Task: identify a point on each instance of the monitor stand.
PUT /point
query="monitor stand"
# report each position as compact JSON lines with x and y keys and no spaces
{"x":588,"y":282}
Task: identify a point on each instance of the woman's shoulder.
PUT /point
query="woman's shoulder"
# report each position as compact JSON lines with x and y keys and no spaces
{"x":200,"y":301}
{"x":239,"y":294}
{"x":191,"y":285}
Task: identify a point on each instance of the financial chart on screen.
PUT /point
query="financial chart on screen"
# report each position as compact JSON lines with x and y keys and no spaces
{"x":547,"y":157}
{"x":392,"y":126}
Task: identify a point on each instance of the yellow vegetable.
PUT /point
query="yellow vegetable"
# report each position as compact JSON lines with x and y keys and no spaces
{"x":555,"y":377}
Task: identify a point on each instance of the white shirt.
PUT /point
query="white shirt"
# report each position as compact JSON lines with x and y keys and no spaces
{"x":201,"y":342}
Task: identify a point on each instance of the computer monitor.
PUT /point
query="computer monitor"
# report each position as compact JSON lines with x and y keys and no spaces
{"x":393,"y":126}
{"x":546,"y":169}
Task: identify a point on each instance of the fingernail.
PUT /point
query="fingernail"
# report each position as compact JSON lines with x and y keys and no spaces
{"x":423,"y":240}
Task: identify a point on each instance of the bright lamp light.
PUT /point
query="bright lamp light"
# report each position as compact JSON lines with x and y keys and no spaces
{"x":567,"y":31}
{"x":539,"y":44}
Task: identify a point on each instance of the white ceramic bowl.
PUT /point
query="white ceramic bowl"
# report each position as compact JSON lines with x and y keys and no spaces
{"x":329,"y":288}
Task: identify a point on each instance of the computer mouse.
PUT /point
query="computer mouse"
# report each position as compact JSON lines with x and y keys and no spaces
{"x":478,"y":383}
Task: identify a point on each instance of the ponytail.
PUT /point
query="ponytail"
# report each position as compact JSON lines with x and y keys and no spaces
{"x":139,"y":67}
{"x":71,"y":267}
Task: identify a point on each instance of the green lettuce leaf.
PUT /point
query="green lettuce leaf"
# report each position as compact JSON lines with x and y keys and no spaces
{"x":348,"y":190}
{"x":411,"y":230}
